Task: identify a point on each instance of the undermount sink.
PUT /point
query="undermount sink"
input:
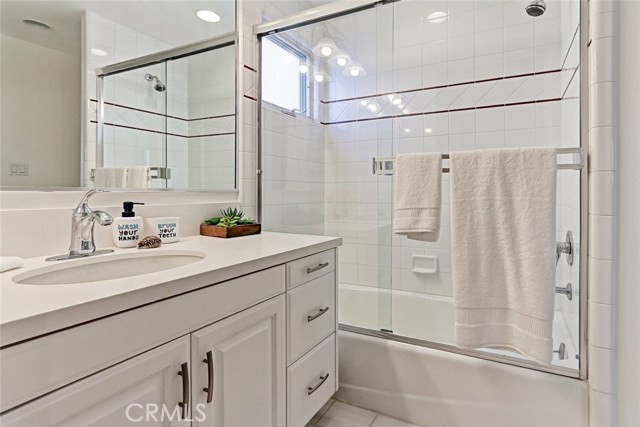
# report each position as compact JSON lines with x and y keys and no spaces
{"x":108,"y":267}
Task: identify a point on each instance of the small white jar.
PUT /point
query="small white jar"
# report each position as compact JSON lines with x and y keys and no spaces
{"x":167,"y":228}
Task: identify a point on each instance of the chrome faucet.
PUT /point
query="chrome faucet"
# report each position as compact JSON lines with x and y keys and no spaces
{"x":83,"y":220}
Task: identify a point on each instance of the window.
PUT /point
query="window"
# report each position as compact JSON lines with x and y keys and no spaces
{"x":282,"y":82}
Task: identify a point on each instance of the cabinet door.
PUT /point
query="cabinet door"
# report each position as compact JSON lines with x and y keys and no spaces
{"x":142,"y":391}
{"x":247,"y":362}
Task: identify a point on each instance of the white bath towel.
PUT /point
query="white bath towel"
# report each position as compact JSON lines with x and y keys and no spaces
{"x":503,"y":249}
{"x":138,"y":177}
{"x":110,"y":177}
{"x":418,"y":196}
{"x":10,"y":262}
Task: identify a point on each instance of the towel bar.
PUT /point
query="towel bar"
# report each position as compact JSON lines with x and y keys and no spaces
{"x":155,"y":172}
{"x":384,"y":165}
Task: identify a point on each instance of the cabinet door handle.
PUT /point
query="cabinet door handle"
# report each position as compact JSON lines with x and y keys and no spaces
{"x":319,"y":267}
{"x":209,"y":388}
{"x":184,"y":373}
{"x":318,"y":314}
{"x":311,"y":390}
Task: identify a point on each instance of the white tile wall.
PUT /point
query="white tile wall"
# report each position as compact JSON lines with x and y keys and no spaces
{"x":602,"y":213}
{"x":293,"y":173}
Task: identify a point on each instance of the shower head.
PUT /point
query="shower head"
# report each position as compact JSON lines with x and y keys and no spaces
{"x":536,"y":8}
{"x":159,"y":86}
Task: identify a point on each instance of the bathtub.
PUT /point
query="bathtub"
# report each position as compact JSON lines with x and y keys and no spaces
{"x":432,"y":387}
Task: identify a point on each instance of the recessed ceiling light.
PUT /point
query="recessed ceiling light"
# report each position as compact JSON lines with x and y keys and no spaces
{"x":303,"y":68}
{"x":437,"y":17}
{"x":98,"y":52}
{"x":36,"y":23}
{"x":208,"y":16}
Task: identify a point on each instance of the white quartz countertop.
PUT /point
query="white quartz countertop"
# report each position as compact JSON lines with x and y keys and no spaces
{"x":27,"y":311}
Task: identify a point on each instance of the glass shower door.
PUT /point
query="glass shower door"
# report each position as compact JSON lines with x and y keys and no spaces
{"x":450,"y":97}
{"x":317,"y":156}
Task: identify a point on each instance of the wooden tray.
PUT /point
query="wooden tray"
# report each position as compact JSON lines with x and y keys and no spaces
{"x":227,"y":232}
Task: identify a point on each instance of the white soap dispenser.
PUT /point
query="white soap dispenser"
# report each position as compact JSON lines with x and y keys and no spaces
{"x":128,"y":230}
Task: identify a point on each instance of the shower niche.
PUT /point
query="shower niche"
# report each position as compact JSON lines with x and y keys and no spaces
{"x":173,"y":112}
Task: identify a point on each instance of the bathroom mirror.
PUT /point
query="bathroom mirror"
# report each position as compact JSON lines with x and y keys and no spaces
{"x":174,"y":119}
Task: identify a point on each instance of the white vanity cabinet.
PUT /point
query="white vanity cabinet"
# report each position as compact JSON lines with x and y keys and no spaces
{"x":118,"y":396}
{"x":258,"y":350}
{"x":312,"y":357}
{"x":239,"y":371}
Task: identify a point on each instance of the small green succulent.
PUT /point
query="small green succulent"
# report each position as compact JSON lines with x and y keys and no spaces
{"x":229,"y":218}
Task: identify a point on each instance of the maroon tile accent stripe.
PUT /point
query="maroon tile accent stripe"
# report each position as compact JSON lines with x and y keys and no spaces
{"x":251,"y":69}
{"x":510,"y":104}
{"x":575,"y":71}
{"x":163,"y":115}
{"x":163,"y":133}
{"x":493,"y":79}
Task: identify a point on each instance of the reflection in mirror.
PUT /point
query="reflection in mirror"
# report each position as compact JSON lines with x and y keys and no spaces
{"x":169,"y":124}
{"x":49,"y":130}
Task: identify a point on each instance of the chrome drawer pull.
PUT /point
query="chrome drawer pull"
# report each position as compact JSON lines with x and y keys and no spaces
{"x":319,"y":267}
{"x":318,"y":314}
{"x":310,"y":390}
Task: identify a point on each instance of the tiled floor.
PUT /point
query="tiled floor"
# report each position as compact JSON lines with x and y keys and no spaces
{"x":338,"y":414}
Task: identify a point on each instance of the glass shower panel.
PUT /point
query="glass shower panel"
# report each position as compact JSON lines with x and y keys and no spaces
{"x":450,"y":96}
{"x":134,"y":126}
{"x":201,"y":120}
{"x":317,"y":163}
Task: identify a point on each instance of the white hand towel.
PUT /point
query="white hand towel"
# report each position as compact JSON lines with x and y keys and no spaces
{"x":503,"y":249}
{"x":10,"y":262}
{"x":110,"y":177}
{"x":138,"y":177}
{"x":417,"y":196}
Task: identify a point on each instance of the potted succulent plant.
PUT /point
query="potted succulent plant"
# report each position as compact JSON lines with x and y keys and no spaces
{"x":231,"y":223}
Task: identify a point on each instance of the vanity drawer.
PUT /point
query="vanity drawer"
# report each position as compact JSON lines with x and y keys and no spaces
{"x":310,"y":315}
{"x":311,"y":382}
{"x":308,"y":268}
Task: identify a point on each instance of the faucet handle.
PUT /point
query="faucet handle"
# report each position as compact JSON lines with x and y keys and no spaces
{"x":85,"y":199}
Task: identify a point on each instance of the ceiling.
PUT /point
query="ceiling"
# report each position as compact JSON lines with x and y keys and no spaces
{"x":173,"y":22}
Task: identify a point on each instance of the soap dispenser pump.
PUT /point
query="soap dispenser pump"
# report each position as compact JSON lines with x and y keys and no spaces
{"x":129,"y":229}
